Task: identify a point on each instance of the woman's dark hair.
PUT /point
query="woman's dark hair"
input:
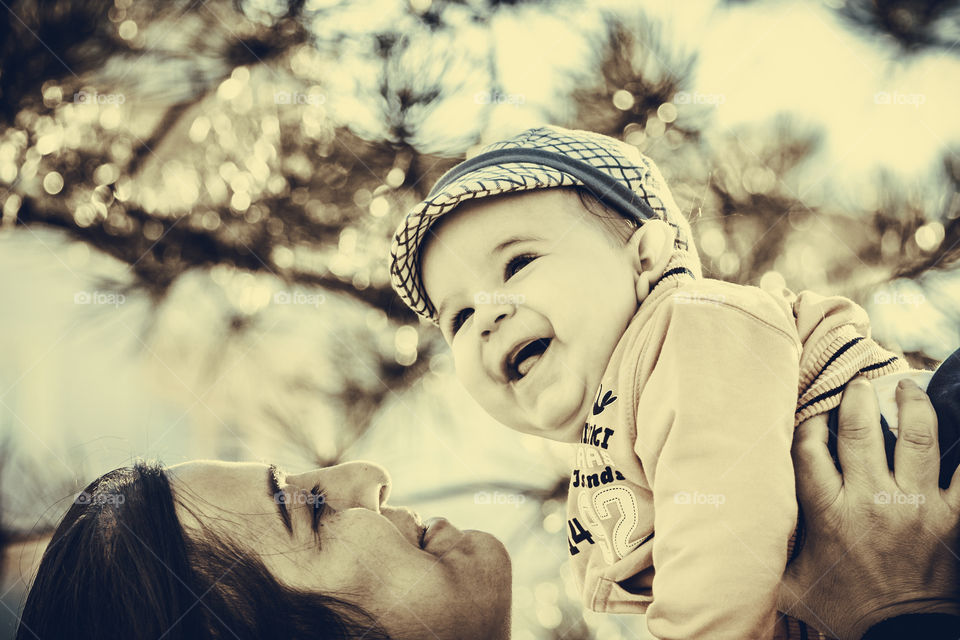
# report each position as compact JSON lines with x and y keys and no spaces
{"x":120,"y":566}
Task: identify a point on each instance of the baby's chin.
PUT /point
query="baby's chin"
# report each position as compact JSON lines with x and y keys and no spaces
{"x":555,"y":420}
{"x":570,"y":432}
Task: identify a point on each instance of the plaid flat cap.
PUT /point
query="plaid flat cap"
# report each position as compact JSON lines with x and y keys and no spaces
{"x":613,"y":171}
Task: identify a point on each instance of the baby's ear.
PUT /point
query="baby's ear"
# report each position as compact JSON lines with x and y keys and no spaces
{"x":650,"y":246}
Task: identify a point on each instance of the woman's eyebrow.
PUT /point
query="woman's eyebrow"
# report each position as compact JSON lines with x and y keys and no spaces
{"x":275,"y":494}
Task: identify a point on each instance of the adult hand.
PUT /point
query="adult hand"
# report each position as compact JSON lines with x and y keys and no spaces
{"x":879,"y":543}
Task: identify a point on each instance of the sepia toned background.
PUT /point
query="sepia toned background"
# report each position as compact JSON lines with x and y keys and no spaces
{"x":197,"y":200}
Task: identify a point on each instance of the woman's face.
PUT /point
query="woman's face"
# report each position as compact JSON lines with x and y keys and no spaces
{"x":456,"y":586}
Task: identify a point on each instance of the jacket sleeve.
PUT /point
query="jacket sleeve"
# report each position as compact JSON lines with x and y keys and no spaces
{"x":930,"y":626}
{"x":715,"y":425}
{"x":835,"y":333}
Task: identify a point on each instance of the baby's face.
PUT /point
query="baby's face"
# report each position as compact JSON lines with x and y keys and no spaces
{"x":533,"y":296}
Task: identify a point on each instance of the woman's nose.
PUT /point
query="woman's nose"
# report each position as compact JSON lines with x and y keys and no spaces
{"x":351,"y":484}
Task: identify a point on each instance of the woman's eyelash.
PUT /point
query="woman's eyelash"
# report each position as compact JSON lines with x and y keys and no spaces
{"x":517,"y":263}
{"x":318,"y":503}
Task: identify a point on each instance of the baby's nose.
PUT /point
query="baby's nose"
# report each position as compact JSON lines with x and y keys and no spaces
{"x":489,"y":316}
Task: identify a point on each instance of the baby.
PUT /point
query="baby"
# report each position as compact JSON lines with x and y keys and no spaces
{"x":565,"y":280}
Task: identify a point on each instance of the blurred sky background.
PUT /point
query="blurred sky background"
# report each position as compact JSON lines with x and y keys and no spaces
{"x":197,"y":200}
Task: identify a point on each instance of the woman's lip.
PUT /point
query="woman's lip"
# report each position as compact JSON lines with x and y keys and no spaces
{"x":407,"y":521}
{"x":435,"y":528}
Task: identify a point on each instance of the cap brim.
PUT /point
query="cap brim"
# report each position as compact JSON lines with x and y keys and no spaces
{"x":482,"y":182}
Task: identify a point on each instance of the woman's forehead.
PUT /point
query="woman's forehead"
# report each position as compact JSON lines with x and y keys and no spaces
{"x":228,"y":485}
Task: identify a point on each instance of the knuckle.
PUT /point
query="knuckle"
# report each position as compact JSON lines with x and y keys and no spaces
{"x":856,"y":426}
{"x":913,"y":396}
{"x":912,"y":391}
{"x":917,"y":438}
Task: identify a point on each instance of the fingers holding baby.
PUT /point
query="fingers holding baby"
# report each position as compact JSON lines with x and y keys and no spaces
{"x":856,"y":567}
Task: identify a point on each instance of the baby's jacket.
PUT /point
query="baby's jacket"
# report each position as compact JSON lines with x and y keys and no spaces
{"x":682,"y":497}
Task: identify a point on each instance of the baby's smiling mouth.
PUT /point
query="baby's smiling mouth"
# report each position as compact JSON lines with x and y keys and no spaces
{"x":523,"y":357}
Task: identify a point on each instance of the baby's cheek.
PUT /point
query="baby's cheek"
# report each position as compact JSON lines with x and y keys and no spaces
{"x":485,"y":392}
{"x":468,"y":371}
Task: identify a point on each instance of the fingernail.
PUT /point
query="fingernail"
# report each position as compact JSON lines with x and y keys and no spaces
{"x":907,"y":383}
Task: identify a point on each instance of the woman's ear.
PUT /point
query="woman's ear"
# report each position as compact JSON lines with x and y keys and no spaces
{"x":650,"y":246}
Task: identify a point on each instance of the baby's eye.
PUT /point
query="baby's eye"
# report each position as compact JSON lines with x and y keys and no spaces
{"x":516,"y":264}
{"x":458,"y":319}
